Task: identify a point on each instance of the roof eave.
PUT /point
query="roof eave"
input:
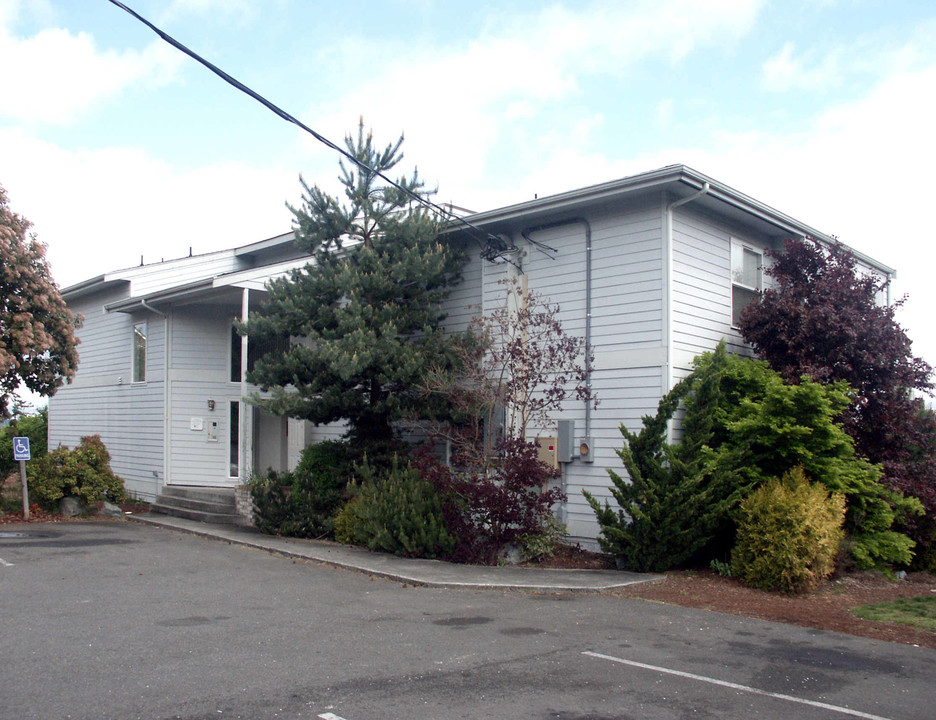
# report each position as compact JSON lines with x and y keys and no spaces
{"x":670,"y":177}
{"x":139,"y":302}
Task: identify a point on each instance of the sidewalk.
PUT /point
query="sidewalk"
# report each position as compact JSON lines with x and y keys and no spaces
{"x":427,"y":573}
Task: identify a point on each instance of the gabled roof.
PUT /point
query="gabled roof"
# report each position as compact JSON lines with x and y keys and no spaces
{"x":679,"y":181}
{"x":213,"y":287}
{"x":180,"y":276}
{"x":252,"y":264}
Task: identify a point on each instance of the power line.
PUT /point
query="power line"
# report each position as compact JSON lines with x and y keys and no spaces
{"x":438,"y":209}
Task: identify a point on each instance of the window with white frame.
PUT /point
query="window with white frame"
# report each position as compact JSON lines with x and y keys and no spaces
{"x":747,"y":277}
{"x":139,"y":352}
{"x":234,"y":438}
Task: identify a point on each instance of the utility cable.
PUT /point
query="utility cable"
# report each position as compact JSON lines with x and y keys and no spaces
{"x":438,"y":209}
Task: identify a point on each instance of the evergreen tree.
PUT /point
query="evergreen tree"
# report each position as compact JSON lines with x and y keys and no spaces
{"x":743,"y":425}
{"x":365,"y":314}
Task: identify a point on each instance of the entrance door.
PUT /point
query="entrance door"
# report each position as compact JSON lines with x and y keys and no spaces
{"x":270,"y":449}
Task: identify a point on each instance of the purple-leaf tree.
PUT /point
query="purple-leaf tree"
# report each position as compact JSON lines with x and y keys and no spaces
{"x":824,"y":318}
{"x":516,"y":366}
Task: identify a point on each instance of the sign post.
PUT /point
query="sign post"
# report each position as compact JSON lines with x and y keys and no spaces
{"x":21,"y":455}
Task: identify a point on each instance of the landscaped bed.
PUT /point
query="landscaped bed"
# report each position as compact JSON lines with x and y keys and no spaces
{"x":828,"y":607}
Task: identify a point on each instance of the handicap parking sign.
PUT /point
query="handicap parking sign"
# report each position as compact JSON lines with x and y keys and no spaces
{"x":21,"y":448}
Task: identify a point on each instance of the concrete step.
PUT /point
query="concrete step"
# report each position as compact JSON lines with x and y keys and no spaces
{"x":208,"y":505}
{"x":191,"y":492}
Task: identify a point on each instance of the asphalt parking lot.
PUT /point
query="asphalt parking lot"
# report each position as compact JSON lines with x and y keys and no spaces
{"x":119,"y":620}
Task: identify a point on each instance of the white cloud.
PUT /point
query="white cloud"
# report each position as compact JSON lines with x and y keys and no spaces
{"x":457,"y":103}
{"x":788,"y":70}
{"x":12,"y":10}
{"x":861,"y":171}
{"x":99,"y":210}
{"x":868,"y":58}
{"x":61,"y":76}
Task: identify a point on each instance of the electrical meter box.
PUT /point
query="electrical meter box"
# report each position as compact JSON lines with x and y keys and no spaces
{"x":546,"y":451}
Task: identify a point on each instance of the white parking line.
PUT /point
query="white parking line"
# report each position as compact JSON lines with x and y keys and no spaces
{"x":5,"y":563}
{"x":735,"y":686}
{"x":330,"y":716}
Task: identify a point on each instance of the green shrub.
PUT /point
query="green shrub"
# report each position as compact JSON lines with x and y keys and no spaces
{"x":395,"y":511}
{"x":789,"y":531}
{"x":303,"y":503}
{"x":540,"y":545}
{"x":84,"y":472}
{"x":488,"y":512}
{"x":742,"y":426}
{"x":668,"y":508}
{"x":35,"y":427}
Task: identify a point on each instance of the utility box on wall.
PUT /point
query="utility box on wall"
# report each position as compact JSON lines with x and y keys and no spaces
{"x":586,"y":450}
{"x":546,"y":451}
{"x":565,"y":440}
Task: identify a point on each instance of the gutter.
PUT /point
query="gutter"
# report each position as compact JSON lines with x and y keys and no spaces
{"x":146,"y":306}
{"x":573,"y":201}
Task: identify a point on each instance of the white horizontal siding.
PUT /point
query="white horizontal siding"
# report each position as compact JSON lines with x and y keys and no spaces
{"x":464,"y":300}
{"x":129,"y":419}
{"x":626,"y":396}
{"x":702,"y":284}
{"x":102,"y":400}
{"x":195,"y":459}
{"x":627,"y":330}
{"x":201,"y":371}
{"x":173,"y":273}
{"x":201,"y":339}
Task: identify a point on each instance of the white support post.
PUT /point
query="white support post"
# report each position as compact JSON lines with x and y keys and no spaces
{"x":246,"y":417}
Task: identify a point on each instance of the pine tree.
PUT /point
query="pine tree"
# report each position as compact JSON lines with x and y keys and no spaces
{"x":365,"y":314}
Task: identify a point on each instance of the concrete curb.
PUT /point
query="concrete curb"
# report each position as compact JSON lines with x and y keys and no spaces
{"x":424,"y":573}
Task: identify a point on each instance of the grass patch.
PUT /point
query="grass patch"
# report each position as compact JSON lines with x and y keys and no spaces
{"x":920,"y":612}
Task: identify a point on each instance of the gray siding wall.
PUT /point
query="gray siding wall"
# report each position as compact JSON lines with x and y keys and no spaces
{"x":172,"y":273}
{"x":627,"y":331}
{"x":102,"y":400}
{"x":702,"y":285}
{"x":201,"y":371}
{"x":464,"y":300}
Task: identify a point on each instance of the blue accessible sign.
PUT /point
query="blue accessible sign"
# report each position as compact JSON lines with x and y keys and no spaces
{"x":21,"y":448}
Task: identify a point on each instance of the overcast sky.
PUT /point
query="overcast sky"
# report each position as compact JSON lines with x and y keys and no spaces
{"x":116,"y":145}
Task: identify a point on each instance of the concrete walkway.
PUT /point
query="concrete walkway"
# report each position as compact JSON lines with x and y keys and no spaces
{"x":428,"y":573}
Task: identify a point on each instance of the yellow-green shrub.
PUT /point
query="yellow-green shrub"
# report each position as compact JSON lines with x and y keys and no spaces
{"x":789,"y":531}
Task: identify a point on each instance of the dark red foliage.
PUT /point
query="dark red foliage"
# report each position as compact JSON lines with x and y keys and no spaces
{"x":823,"y":319}
{"x":486,"y":512}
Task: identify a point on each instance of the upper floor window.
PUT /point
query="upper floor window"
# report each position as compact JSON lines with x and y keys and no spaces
{"x":139,"y":352}
{"x":256,"y":349}
{"x":747,"y":277}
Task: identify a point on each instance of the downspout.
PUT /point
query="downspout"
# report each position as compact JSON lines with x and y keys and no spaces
{"x":668,"y":272}
{"x":167,"y":403}
{"x":147,"y":306}
{"x":588,"y":302}
{"x":167,"y":444}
